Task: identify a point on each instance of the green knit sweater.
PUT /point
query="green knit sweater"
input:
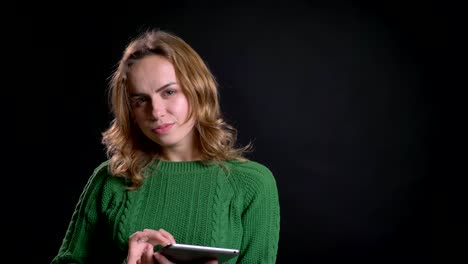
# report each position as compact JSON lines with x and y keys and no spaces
{"x":198,"y":204}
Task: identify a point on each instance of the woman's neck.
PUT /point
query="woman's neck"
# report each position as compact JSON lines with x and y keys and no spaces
{"x":177,"y":154}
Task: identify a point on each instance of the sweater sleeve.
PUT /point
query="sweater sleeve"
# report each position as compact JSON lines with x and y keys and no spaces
{"x":261,"y":217}
{"x":83,"y":235}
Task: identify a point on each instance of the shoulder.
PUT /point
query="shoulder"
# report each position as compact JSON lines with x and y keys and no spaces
{"x":102,"y":188}
{"x":102,"y":168}
{"x":252,"y":175}
{"x":102,"y":178}
{"x":101,"y":172}
{"x":250,"y":167}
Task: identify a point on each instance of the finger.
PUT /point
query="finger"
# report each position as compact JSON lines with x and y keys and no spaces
{"x":147,"y":257}
{"x":213,"y":261}
{"x":134,"y":254}
{"x":160,"y":236}
{"x":168,"y":235}
{"x":139,"y":236}
{"x":136,"y":247}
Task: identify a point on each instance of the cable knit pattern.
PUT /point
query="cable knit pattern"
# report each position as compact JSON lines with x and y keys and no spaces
{"x":216,"y":214}
{"x":198,"y":204}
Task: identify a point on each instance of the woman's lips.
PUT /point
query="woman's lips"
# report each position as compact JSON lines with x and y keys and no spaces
{"x":163,"y":129}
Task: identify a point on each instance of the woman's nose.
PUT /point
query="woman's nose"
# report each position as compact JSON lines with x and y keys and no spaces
{"x":158,"y":109}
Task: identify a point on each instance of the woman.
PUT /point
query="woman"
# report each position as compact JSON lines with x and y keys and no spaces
{"x":174,"y":174}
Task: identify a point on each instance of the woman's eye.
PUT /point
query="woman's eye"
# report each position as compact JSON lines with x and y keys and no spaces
{"x":139,"y":100}
{"x":169,"y":92}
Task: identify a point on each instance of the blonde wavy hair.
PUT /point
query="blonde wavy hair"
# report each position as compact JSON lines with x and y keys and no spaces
{"x":128,"y":150}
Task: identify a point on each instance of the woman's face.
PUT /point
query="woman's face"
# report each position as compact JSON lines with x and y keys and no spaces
{"x":160,"y":107}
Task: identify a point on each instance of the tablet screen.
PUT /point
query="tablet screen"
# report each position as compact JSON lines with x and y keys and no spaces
{"x":189,"y":253}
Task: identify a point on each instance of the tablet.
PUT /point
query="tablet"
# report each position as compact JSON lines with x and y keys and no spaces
{"x":190,"y":253}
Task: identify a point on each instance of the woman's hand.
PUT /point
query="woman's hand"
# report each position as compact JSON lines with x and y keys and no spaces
{"x":141,"y":244}
{"x":141,"y":247}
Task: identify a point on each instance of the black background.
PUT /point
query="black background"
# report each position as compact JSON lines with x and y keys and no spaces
{"x":336,"y":96}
